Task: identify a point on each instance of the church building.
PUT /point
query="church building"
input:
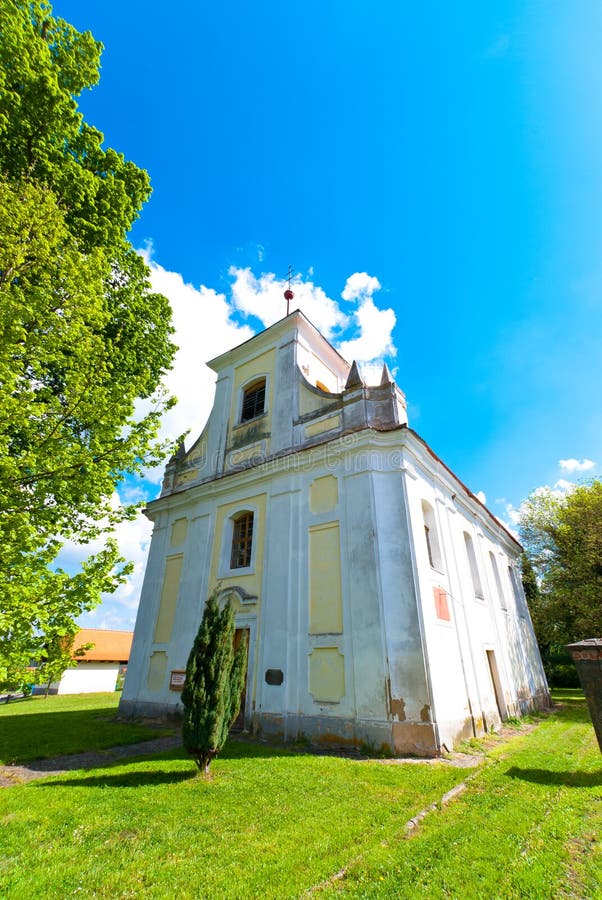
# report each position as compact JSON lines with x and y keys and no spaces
{"x":380,"y":600}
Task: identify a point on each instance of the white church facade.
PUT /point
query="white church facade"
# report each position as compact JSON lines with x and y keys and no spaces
{"x":380,"y":600}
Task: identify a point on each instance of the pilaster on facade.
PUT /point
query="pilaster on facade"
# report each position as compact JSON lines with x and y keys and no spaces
{"x":339,"y":537}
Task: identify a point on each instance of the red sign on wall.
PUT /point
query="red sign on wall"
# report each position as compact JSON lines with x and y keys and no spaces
{"x":441,"y":604}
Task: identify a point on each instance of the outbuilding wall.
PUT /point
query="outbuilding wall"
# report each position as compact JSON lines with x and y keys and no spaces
{"x":89,"y":678}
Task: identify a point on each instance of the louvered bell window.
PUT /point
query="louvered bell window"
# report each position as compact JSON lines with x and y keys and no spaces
{"x":253,"y":403}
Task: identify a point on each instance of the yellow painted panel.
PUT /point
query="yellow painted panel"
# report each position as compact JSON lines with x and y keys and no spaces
{"x":310,"y":401}
{"x":265,"y":364}
{"x":178,"y":532}
{"x":157,"y":670}
{"x":323,"y":494}
{"x":236,"y":457}
{"x":325,"y":596}
{"x":250,"y":582}
{"x":327,"y":674}
{"x":324,"y":425}
{"x":169,"y":599}
{"x":185,"y":477}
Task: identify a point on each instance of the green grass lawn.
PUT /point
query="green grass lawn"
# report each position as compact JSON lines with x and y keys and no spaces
{"x":529,"y":825}
{"x":273,"y":823}
{"x":39,"y":727}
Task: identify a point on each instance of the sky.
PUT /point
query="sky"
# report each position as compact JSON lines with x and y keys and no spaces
{"x":433,"y":174}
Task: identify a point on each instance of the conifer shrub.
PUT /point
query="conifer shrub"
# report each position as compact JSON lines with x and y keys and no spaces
{"x":215,"y":675}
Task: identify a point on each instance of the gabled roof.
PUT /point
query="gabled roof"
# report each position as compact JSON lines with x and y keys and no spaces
{"x":296,"y":318}
{"x":109,"y":646}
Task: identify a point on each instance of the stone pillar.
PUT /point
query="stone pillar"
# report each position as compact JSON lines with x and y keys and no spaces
{"x":587,"y":656}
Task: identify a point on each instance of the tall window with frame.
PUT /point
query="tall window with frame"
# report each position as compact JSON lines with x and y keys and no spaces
{"x":519,"y":597}
{"x":474,"y":569}
{"x":432,"y":537}
{"x":242,"y":541}
{"x":498,"y":582}
{"x":253,"y":401}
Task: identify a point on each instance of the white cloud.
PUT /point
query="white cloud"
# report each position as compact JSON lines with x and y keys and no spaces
{"x":374,"y":341}
{"x":360,"y":285}
{"x":117,"y":610}
{"x":563,"y":485}
{"x":480,"y":495}
{"x":204,"y":328}
{"x":510,"y":519}
{"x":375,"y":326}
{"x":263,"y":297}
{"x":510,"y":522}
{"x":576,"y":465}
{"x":513,"y":513}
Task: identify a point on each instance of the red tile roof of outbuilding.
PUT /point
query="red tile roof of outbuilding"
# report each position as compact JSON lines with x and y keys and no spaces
{"x":109,"y":646}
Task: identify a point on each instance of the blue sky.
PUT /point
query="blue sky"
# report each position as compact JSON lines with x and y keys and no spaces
{"x":450,"y":151}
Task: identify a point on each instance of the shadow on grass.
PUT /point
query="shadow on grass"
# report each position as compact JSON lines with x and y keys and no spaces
{"x":571,"y":705}
{"x":123,"y":780}
{"x":243,"y":746}
{"x":548,"y":776}
{"x":52,"y":732}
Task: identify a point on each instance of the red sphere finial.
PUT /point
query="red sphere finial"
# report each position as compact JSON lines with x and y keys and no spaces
{"x":288,"y":294}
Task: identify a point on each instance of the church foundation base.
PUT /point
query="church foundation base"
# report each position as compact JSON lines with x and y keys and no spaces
{"x":391,"y":738}
{"x":148,"y":709}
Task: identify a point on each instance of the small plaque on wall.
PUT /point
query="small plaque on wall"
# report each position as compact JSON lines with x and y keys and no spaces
{"x":274,"y":676}
{"x":176,"y":679}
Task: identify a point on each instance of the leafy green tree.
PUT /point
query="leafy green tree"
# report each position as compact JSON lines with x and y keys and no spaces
{"x":562,"y":536}
{"x":84,"y":343}
{"x":214,"y":681}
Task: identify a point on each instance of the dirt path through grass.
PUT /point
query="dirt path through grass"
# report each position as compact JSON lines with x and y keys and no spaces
{"x":91,"y":759}
{"x":95,"y":759}
{"x":280,"y":823}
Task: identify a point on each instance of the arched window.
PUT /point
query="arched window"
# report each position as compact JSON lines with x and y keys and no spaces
{"x":253,"y":401}
{"x":242,"y":541}
{"x":432,"y":538}
{"x":474,"y":569}
{"x":519,"y":596}
{"x":498,"y":583}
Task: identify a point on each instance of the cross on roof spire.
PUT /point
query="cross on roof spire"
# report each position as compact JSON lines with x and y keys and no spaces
{"x":288,"y":294}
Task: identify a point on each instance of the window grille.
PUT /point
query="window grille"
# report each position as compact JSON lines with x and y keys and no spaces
{"x":253,"y":402}
{"x":242,"y":541}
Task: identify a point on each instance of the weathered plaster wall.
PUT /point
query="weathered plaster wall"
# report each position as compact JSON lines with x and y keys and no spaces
{"x":354,"y":634}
